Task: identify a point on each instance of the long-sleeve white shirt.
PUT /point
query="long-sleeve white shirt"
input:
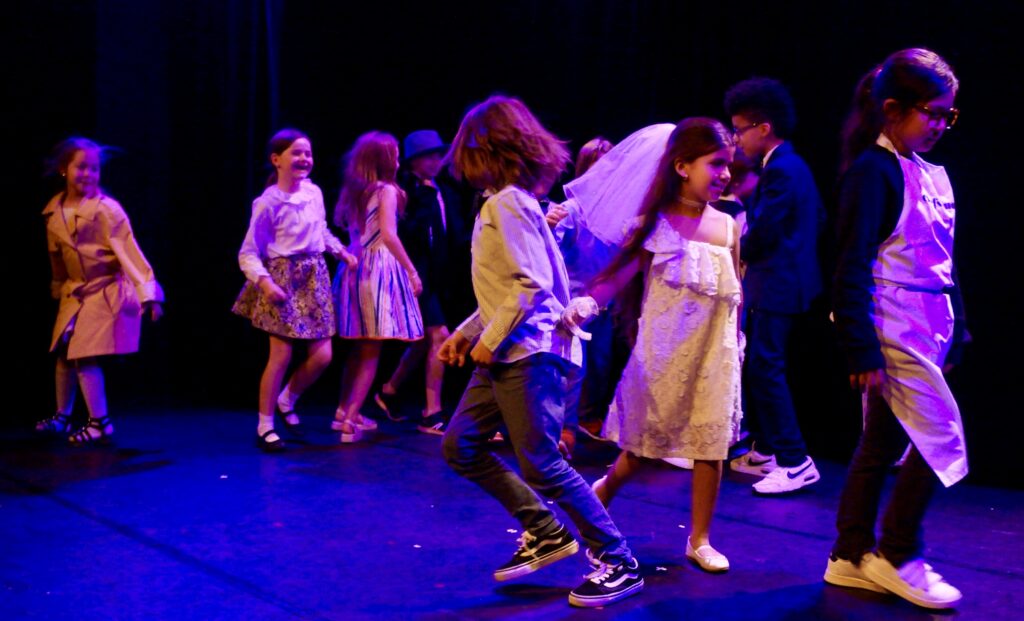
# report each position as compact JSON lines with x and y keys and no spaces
{"x":283,"y":225}
{"x":519,"y":280}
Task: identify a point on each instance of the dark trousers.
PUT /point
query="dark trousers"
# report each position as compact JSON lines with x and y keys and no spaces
{"x":882,"y":443}
{"x":768,"y":401}
{"x":528,"y":396}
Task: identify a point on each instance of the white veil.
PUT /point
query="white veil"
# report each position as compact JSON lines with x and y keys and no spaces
{"x":610,"y":193}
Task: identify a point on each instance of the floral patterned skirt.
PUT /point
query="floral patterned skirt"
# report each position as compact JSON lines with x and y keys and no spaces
{"x":308,"y":313}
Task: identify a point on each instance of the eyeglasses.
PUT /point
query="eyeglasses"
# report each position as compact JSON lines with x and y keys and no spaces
{"x":948,"y":116}
{"x":739,"y":131}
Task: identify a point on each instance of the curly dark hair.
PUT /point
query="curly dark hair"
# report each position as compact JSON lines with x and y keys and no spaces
{"x":763,"y":100}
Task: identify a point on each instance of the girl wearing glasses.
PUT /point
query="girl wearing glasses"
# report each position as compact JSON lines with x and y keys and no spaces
{"x":900,"y":322}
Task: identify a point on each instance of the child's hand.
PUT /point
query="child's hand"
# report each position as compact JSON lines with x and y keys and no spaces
{"x":417,"y":284}
{"x":275,"y":294}
{"x":556,"y":213}
{"x":453,"y":350}
{"x":868,"y":381}
{"x":577,"y":312}
{"x":482,"y":356}
{"x":156,"y":310}
{"x":567,"y":444}
{"x":350,"y":259}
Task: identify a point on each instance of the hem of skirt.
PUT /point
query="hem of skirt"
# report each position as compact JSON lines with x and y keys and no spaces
{"x":639,"y":452}
{"x":80,"y":356}
{"x":380,"y":338}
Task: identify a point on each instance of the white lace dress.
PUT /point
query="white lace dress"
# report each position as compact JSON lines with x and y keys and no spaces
{"x":679,"y":395}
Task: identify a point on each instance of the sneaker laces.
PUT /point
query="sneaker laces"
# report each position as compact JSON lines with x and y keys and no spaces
{"x":524,"y":542}
{"x":595,"y":562}
{"x":601,"y":572}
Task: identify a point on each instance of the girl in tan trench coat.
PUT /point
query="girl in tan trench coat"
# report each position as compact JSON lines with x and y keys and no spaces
{"x":104,"y":285}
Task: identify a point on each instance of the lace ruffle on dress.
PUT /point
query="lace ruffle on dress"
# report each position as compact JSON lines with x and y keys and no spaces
{"x":680,"y":392}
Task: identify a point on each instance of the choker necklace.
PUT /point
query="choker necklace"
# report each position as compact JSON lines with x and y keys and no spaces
{"x":685,"y":205}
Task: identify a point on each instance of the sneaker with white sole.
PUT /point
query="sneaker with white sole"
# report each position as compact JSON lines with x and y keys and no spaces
{"x":608,"y":583}
{"x":753,"y":462}
{"x":536,"y":552}
{"x":915,"y":582}
{"x":841,"y":572}
{"x":783,"y":480}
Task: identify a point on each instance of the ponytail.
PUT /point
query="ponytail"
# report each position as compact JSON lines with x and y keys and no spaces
{"x":864,"y":122}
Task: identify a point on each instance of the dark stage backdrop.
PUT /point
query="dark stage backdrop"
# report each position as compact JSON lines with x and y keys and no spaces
{"x":190,"y":91}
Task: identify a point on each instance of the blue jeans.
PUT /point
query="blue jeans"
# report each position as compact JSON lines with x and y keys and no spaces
{"x":528,"y":396}
{"x":882,"y":443}
{"x":768,"y":401}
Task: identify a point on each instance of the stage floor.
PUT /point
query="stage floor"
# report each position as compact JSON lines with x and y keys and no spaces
{"x":183,"y":518}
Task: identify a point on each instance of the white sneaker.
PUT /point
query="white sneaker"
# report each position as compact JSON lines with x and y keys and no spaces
{"x":684,"y":463}
{"x":845,"y":574}
{"x":915,"y":582}
{"x":753,"y":462}
{"x":783,"y":480}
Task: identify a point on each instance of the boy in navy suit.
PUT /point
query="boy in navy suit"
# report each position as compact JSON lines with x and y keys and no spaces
{"x":782,"y":278}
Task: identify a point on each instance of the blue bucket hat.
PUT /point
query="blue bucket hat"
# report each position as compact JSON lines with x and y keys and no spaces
{"x":422,"y":142}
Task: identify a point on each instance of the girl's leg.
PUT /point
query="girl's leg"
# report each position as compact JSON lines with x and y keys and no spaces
{"x":270,"y":383}
{"x":881,"y":443}
{"x":411,"y":359}
{"x":435,"y":369}
{"x":901,"y":538}
{"x":624,"y":468}
{"x":360,"y":369}
{"x":66,"y":382}
{"x":707,"y":477}
{"x":317,"y":359}
{"x":90,"y":380}
{"x":67,"y":385}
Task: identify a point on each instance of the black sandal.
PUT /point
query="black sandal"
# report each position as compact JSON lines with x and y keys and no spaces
{"x":83,"y":436}
{"x":270,"y":446}
{"x":295,"y":429}
{"x":58,"y":423}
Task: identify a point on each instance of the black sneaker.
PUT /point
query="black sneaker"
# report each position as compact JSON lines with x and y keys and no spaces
{"x":608,"y":584}
{"x":537,"y":552}
{"x":434,"y":424}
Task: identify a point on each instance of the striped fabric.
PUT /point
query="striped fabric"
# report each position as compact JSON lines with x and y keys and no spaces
{"x":374,"y":300}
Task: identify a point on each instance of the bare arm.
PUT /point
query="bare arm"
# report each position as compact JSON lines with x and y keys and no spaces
{"x":388,"y":217}
{"x":606,"y":290}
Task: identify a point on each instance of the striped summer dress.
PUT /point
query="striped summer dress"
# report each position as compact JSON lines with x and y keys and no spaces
{"x":374,"y":299}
